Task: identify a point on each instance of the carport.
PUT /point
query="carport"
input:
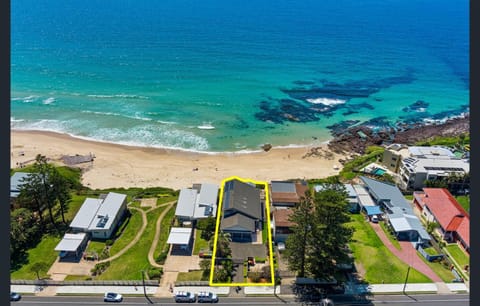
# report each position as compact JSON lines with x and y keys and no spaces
{"x":72,"y":245}
{"x":372,"y":210}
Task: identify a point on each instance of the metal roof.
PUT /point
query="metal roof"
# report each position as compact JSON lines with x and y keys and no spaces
{"x":350,"y":190}
{"x":71,"y":242}
{"x":283,"y":187}
{"x":242,"y":197}
{"x":385,"y":192}
{"x":186,"y":203}
{"x":373,"y":210}
{"x":402,"y":216}
{"x":86,"y":213}
{"x":108,"y":211}
{"x":180,"y":235}
{"x":208,"y":194}
{"x":16,"y":183}
{"x":238,"y":222}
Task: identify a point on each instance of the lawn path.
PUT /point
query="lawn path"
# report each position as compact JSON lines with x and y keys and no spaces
{"x":157,"y":235}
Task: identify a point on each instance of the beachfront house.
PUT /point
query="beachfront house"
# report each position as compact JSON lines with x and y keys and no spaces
{"x":100,"y":217}
{"x":415,"y":164}
{"x":286,"y":194}
{"x":197,"y":203}
{"x":243,"y":211}
{"x":438,"y":205}
{"x":397,"y":211}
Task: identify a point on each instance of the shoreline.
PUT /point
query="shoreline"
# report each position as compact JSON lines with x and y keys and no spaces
{"x":118,"y":165}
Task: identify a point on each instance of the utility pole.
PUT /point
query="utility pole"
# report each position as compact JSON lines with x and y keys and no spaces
{"x":144,"y":288}
{"x":406,"y":278}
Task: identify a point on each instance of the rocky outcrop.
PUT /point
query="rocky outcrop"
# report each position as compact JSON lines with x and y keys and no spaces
{"x":358,"y":138}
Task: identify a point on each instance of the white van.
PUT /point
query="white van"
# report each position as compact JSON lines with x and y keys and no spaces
{"x":374,"y":219}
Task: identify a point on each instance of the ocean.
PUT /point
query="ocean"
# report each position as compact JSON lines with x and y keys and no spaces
{"x":150,"y":73}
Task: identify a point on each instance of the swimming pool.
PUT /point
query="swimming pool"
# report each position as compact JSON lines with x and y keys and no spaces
{"x":378,"y":171}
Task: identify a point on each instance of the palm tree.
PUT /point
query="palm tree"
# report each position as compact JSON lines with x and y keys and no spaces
{"x":223,"y":244}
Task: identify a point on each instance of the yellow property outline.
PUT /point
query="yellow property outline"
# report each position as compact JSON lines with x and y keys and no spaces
{"x":219,"y":216}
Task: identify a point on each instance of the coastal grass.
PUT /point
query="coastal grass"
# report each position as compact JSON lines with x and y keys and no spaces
{"x":445,"y":141}
{"x":390,"y":236}
{"x":129,"y":265}
{"x":74,"y":205}
{"x":42,"y":252}
{"x":379,"y":263}
{"x":78,"y":278}
{"x":191,"y":276}
{"x":165,"y":231}
{"x":372,"y":154}
{"x":464,"y":201}
{"x":200,"y":243}
{"x":127,"y":232}
{"x":458,"y":254}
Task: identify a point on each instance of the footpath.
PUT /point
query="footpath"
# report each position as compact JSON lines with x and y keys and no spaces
{"x":226,"y":291}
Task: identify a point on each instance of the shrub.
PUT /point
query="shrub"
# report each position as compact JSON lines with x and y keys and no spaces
{"x":162,"y":257}
{"x":155,"y":273}
{"x":109,"y":242}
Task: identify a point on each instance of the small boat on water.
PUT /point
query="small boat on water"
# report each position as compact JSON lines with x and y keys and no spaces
{"x":206,"y":126}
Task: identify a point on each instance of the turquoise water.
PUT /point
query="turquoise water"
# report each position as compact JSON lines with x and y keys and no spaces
{"x":149,"y":73}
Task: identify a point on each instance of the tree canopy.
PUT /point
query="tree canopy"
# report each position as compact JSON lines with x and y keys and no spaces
{"x":320,"y":236}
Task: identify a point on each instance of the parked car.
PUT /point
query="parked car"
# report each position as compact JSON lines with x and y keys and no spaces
{"x":112,"y":297}
{"x":185,"y":297}
{"x":374,"y":219}
{"x":207,"y":297}
{"x":14,"y":296}
{"x":281,"y":246}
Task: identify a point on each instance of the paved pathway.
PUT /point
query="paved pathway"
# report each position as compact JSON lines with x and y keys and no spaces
{"x":157,"y":234}
{"x":407,"y":254}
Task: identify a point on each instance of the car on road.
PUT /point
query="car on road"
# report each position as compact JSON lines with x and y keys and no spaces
{"x":184,"y":297}
{"x":112,"y":297}
{"x":207,"y":297}
{"x":14,"y":296}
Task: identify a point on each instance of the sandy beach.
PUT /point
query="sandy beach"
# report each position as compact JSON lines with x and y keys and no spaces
{"x":127,"y":166}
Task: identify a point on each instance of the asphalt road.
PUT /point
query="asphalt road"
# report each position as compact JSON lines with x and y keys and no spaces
{"x":391,"y":300}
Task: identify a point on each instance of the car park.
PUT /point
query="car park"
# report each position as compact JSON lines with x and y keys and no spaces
{"x":207,"y":297}
{"x":14,"y":296}
{"x":184,"y":297}
{"x":112,"y":297}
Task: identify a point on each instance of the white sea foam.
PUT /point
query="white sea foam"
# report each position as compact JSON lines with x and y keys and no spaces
{"x":124,"y":96}
{"x":326,"y":101}
{"x":28,"y":99}
{"x":49,"y":100}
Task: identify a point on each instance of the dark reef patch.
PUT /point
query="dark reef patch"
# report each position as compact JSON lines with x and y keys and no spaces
{"x":299,"y":109}
{"x":418,"y":106}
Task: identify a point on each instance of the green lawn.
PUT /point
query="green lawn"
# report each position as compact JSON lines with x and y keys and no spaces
{"x":464,"y":201}
{"x":190,"y":276}
{"x":200,"y":244}
{"x":129,"y":265}
{"x":378,"y":262}
{"x":77,"y":277}
{"x":127,"y":231}
{"x":96,"y":246}
{"x":409,"y":197}
{"x":43,"y":252}
{"x":458,"y":254}
{"x":390,"y":236}
{"x":165,"y":226}
{"x":445,"y":274}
